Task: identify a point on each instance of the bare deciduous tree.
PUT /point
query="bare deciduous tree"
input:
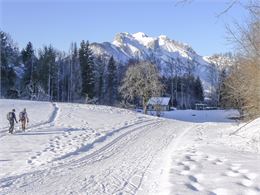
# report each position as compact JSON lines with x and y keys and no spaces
{"x":142,"y":81}
{"x":242,"y":85}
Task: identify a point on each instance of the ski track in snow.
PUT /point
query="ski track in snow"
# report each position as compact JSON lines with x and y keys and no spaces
{"x":58,"y":144}
{"x":128,"y":184}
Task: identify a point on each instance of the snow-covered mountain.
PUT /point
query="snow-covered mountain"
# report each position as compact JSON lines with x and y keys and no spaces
{"x":160,"y":49}
{"x":223,"y":61}
{"x":140,"y":46}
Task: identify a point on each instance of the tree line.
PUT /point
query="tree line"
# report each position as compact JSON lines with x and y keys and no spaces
{"x":55,"y":76}
{"x":79,"y":76}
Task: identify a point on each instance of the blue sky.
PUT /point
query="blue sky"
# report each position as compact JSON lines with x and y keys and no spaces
{"x":59,"y":22}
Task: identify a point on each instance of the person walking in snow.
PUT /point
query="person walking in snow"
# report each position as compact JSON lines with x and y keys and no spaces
{"x":11,"y":117}
{"x":23,"y":118}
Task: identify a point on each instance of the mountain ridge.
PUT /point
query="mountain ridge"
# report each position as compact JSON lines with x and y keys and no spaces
{"x":162,"y":49}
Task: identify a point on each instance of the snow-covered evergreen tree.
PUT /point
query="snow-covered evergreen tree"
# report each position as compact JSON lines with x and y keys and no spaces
{"x":100,"y":65}
{"x":29,"y":76}
{"x":87,"y":70}
{"x":9,"y":60}
{"x":48,"y":72}
{"x":112,"y":81}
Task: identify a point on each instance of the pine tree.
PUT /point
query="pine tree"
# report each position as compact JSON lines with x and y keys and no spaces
{"x":9,"y":57}
{"x":87,"y":69}
{"x":29,"y":77}
{"x":76,"y":74}
{"x":27,"y":56}
{"x":112,"y":81}
{"x":100,"y":81}
{"x":198,"y":89}
{"x":48,"y":72}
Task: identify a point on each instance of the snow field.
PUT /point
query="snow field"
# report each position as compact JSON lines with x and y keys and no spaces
{"x":245,"y":137}
{"x":90,"y":134}
{"x":116,"y":168}
{"x":200,"y":160}
{"x":206,"y":164}
{"x":58,"y":135}
{"x":96,"y":150}
{"x":207,"y":173}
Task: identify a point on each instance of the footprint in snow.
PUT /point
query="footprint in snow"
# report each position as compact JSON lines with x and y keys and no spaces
{"x":199,"y":177}
{"x":29,"y":161}
{"x":188,"y":157}
{"x":193,"y":178}
{"x":246,"y":182}
{"x":218,"y":162}
{"x":194,"y":186}
{"x":248,"y":179}
{"x":257,"y":188}
{"x":52,"y":146}
{"x":57,"y":142}
{"x":232,"y":173}
{"x":220,"y":191}
{"x":235,"y":167}
{"x":180,"y":164}
{"x":251,"y":176}
{"x":187,"y":168}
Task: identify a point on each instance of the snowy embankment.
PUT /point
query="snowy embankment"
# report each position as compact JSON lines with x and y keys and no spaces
{"x":88,"y":149}
{"x":208,"y":158}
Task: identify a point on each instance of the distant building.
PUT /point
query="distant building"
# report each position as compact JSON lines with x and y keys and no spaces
{"x":200,"y":106}
{"x":159,"y":103}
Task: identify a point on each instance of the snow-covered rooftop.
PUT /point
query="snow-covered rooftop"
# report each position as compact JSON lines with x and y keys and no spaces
{"x":159,"y":101}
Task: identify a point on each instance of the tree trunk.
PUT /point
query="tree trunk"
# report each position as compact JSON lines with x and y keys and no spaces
{"x":70,"y":97}
{"x":144,"y":105}
{"x":49,"y":86}
{"x":176,"y":88}
{"x":172,"y":90}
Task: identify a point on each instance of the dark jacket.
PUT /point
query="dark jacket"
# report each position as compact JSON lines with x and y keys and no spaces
{"x":13,"y":117}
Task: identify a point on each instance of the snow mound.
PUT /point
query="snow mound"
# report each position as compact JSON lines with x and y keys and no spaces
{"x":247,"y":136}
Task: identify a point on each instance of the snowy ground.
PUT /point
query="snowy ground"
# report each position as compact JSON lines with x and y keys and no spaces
{"x":88,"y":149}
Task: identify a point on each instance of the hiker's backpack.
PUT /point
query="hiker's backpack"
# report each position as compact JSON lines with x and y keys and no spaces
{"x":22,"y":116}
{"x":9,"y":116}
